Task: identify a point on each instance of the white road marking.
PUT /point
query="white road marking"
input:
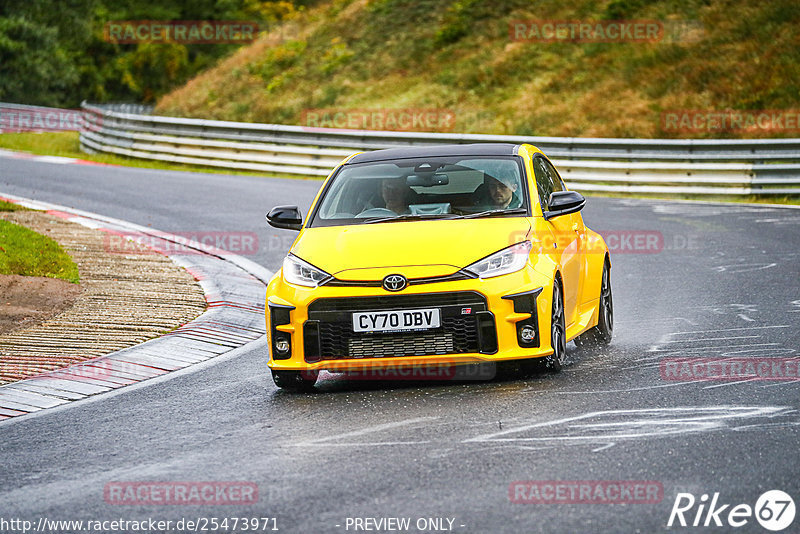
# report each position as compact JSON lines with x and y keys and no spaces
{"x":359,"y":444}
{"x":622,"y":390}
{"x":728,"y":384}
{"x":638,"y":423}
{"x":781,"y":383}
{"x":54,"y":159}
{"x":708,"y":339}
{"x":773,"y":352}
{"x":518,"y":447}
{"x":730,"y":329}
{"x":653,"y":319}
{"x":743,"y":267}
{"x":325,"y":441}
{"x":682,"y":350}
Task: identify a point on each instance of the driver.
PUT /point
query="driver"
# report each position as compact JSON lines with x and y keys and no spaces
{"x":499,"y":193}
{"x":396,"y":193}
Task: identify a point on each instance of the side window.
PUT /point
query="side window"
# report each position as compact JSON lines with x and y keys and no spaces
{"x":547,"y":180}
{"x":543,"y":183}
{"x":555,"y":178}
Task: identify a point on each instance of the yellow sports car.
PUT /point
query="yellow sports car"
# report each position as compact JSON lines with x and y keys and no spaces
{"x":436,"y":256}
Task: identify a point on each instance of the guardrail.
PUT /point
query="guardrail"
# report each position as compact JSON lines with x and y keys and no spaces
{"x":659,"y":166}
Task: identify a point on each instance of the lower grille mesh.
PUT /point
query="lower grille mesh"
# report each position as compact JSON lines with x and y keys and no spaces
{"x":392,"y":345}
{"x":458,"y":333}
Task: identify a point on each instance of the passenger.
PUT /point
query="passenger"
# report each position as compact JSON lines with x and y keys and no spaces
{"x":498,"y":193}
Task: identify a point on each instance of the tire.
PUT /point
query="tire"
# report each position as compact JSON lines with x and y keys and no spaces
{"x":298,"y":381}
{"x":601,"y":334}
{"x":558,"y":331}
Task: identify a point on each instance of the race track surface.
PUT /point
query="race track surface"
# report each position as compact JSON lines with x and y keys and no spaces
{"x":723,"y":282}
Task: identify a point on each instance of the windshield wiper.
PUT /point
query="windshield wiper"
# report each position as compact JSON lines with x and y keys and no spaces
{"x":413,"y":217}
{"x":492,"y":213}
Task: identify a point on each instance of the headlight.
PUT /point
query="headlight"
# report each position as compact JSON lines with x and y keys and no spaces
{"x":297,"y":271}
{"x":508,"y":260}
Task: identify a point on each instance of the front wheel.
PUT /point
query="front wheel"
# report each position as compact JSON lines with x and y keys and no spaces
{"x":558,"y":332}
{"x":601,"y":334}
{"x":300,"y":381}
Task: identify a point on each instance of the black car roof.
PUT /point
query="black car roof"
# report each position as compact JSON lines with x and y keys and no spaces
{"x":476,"y":149}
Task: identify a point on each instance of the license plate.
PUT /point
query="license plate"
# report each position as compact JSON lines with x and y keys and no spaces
{"x":396,"y":320}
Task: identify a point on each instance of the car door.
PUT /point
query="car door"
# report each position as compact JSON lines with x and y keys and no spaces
{"x":567,"y":231}
{"x":579,"y":228}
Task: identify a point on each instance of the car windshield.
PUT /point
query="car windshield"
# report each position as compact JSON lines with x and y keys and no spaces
{"x":420,"y":188}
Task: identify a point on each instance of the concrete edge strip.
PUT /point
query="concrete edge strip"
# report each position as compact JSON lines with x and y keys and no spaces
{"x":60,"y":160}
{"x":234,"y":288}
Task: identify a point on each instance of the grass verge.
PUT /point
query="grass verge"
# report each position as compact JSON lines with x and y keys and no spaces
{"x":67,"y":144}
{"x":27,"y":253}
{"x":8,"y":206}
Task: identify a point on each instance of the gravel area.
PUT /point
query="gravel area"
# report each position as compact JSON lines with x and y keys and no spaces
{"x":127,"y":297}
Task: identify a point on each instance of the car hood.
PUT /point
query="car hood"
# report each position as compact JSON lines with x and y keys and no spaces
{"x":412,"y":248}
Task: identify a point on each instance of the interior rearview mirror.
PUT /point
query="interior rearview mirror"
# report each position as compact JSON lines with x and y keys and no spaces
{"x":428,"y":180}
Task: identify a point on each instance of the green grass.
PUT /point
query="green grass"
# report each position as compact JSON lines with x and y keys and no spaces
{"x":458,"y":55}
{"x":49,"y":144}
{"x":27,"y":253}
{"x":66,"y":144}
{"x":10,"y":206}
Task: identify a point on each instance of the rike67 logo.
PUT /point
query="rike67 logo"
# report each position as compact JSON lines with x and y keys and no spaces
{"x":774,"y":510}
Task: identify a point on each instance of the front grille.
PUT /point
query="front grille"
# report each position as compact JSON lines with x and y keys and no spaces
{"x":455,"y":277}
{"x":329,"y":332}
{"x":387,"y":346}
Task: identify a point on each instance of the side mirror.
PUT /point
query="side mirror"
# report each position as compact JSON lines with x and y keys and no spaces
{"x":286,"y":217}
{"x":564,"y":202}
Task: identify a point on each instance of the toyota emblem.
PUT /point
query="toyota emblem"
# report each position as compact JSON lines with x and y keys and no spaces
{"x":395,"y":282}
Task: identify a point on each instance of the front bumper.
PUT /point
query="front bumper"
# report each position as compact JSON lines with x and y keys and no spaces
{"x":482,"y":321}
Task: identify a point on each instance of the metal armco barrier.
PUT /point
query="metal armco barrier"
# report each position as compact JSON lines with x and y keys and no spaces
{"x":659,"y":166}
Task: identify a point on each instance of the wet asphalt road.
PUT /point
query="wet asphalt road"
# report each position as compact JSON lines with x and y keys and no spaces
{"x":724,"y":282}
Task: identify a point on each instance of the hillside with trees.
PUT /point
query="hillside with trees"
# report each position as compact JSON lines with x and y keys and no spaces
{"x":461,"y":56}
